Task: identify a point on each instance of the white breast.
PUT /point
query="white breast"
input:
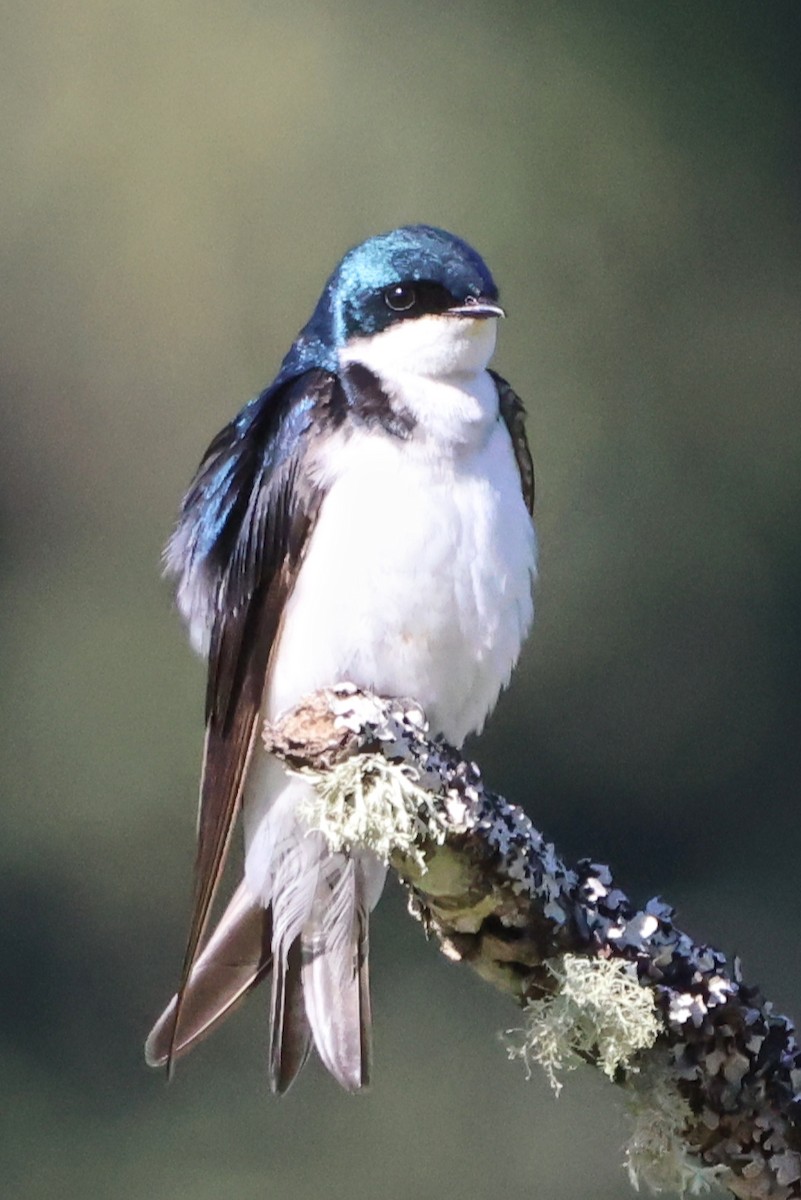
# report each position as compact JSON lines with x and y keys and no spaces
{"x":417,"y":580}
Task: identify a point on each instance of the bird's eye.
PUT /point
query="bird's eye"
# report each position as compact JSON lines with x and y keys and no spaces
{"x":401,"y":297}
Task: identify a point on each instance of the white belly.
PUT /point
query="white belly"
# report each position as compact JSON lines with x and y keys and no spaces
{"x":417,"y":581}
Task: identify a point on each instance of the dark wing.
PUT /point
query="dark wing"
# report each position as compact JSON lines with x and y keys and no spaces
{"x":236,"y":958}
{"x":514,"y":415}
{"x":241,"y":537}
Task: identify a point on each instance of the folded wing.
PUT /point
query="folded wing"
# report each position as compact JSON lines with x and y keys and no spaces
{"x":241,"y":537}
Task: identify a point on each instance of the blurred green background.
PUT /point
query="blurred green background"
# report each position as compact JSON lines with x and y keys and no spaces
{"x":178,"y":180}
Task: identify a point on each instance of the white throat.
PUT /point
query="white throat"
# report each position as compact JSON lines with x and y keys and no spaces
{"x":435,"y":367}
{"x":434,"y":346}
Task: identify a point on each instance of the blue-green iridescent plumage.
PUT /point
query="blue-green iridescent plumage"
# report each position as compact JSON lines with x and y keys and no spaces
{"x":347,"y":307}
{"x":265,"y":433}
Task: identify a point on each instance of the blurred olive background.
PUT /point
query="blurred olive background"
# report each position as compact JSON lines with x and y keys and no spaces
{"x":178,"y":180}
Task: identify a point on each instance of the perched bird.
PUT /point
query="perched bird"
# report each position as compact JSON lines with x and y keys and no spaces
{"x":367,"y":518}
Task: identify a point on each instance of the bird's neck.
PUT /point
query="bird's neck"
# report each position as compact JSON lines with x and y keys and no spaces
{"x":434,"y":370}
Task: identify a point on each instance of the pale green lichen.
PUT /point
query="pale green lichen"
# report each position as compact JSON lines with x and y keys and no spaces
{"x":368,"y":803}
{"x":599,"y":1010}
{"x":657,"y":1154}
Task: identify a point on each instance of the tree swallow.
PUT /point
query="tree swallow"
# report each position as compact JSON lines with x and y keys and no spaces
{"x":367,"y":518}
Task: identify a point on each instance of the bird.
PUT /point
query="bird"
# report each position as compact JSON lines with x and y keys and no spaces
{"x":367,"y":518}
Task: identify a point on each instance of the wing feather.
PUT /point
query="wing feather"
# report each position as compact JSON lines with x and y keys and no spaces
{"x":235,"y":959}
{"x":243,"y":533}
{"x":514,"y":415}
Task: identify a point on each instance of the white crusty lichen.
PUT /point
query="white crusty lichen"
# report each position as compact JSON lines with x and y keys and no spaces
{"x":369,"y":803}
{"x":599,"y":1010}
{"x":656,"y":1153}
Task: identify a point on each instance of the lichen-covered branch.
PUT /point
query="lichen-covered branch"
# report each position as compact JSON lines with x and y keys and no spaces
{"x":712,"y":1074}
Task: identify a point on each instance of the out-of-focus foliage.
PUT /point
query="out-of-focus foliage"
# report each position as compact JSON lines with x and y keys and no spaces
{"x":178,"y":179}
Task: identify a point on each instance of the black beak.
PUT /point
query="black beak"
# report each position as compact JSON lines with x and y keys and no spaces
{"x":476,"y":306}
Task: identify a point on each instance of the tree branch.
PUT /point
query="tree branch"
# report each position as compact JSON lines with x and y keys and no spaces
{"x":712,"y":1074}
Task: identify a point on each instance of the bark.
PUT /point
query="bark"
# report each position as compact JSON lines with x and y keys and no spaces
{"x":484,"y":881}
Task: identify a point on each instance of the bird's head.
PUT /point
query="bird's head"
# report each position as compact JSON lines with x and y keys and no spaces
{"x":416,"y":299}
